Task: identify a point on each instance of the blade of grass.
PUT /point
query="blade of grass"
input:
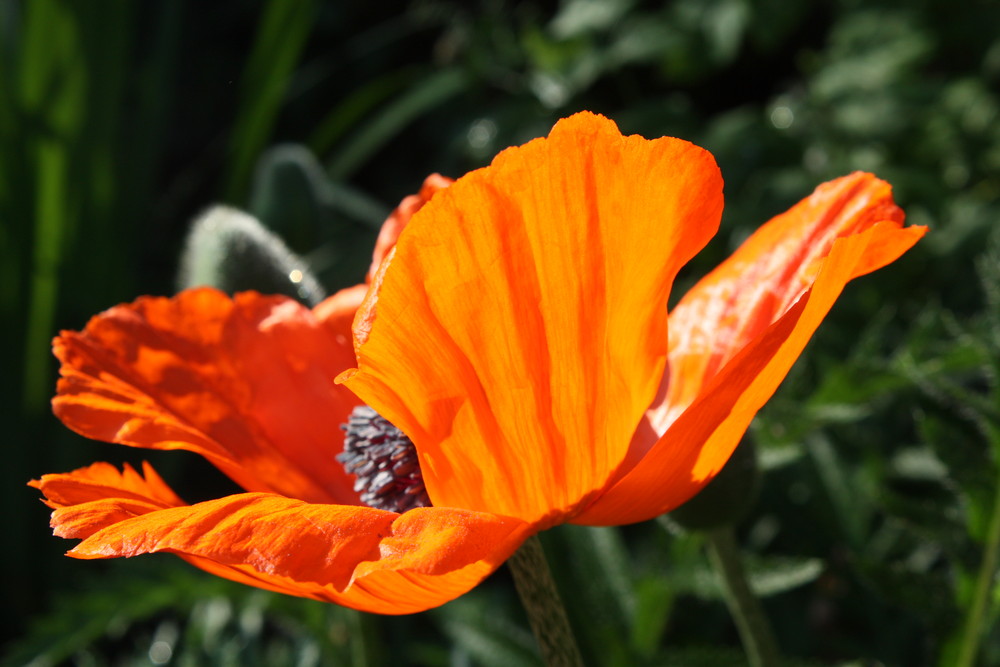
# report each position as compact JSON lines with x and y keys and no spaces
{"x":984,"y":595}
{"x":51,"y":220}
{"x":281,"y":36}
{"x":155,"y":94}
{"x":848,"y":507}
{"x":355,"y":107}
{"x":975,"y":620}
{"x":425,"y":94}
{"x":103,"y":238}
{"x":52,"y":88}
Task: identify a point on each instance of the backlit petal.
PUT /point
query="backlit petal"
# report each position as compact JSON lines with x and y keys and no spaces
{"x":103,"y":480}
{"x":699,"y":442}
{"x":337,"y":311}
{"x":400,"y":217}
{"x":519,"y":330}
{"x":761,"y":280}
{"x":356,"y":556}
{"x":246,"y":382}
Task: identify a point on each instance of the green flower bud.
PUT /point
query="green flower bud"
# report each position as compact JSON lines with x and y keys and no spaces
{"x":728,"y":497}
{"x":232,"y":251}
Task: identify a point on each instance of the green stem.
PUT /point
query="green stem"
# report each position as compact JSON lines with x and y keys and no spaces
{"x":755,"y":631}
{"x":973,"y":632}
{"x":364,"y":641}
{"x":545,"y":609}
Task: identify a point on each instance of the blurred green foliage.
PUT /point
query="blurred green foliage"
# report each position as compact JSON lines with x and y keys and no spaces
{"x":876,"y":533}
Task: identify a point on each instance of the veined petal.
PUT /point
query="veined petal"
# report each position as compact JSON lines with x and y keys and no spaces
{"x":389,"y":592}
{"x":518,"y":333}
{"x":102,"y":480}
{"x":400,"y":217}
{"x":355,"y":556}
{"x":699,"y":442}
{"x":246,"y":382}
{"x":737,"y":301}
{"x":337,"y":311}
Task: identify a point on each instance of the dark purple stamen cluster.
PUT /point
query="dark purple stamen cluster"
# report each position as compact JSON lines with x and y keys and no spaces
{"x":384,"y":461}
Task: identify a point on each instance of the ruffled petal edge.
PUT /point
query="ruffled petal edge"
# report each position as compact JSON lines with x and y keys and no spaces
{"x":360,"y":557}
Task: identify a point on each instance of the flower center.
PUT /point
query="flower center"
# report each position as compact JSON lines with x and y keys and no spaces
{"x":385,"y":462}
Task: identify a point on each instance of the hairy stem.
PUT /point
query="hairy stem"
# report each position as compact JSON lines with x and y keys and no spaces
{"x":755,"y":631}
{"x":545,"y":609}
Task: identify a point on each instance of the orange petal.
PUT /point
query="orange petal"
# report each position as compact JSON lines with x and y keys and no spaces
{"x":700,"y":440}
{"x":738,"y":300}
{"x":400,"y":217}
{"x":357,"y":556}
{"x":519,"y":331}
{"x":102,"y":480}
{"x":246,"y":382}
{"x":337,"y":311}
{"x":382,"y":592}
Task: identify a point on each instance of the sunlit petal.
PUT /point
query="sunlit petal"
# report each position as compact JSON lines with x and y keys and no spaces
{"x":518,"y":332}
{"x":357,"y":556}
{"x":699,"y":442}
{"x":245,"y":382}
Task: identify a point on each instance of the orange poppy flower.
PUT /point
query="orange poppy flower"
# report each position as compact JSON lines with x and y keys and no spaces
{"x":517,"y":333}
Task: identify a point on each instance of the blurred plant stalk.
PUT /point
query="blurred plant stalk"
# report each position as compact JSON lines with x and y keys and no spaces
{"x":975,"y":621}
{"x":714,"y":512}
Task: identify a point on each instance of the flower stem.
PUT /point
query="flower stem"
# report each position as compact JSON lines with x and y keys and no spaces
{"x":755,"y":631}
{"x":545,"y":609}
{"x":973,"y":631}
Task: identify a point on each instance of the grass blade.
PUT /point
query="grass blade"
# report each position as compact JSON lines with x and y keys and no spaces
{"x":281,"y":36}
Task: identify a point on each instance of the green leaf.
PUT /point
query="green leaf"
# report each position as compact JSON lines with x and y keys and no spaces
{"x":773,"y":575}
{"x":110,"y":607}
{"x":602,"y":611}
{"x":578,"y":17}
{"x":654,"y":600}
{"x":846,"y":496}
